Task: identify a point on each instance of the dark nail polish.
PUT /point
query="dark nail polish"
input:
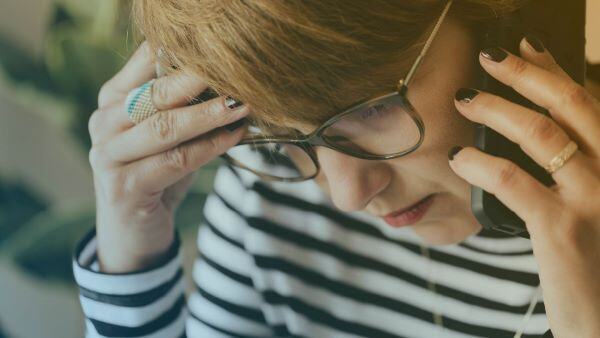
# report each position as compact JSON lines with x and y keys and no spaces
{"x":495,"y":54}
{"x":231,"y":103}
{"x":234,"y":125}
{"x":453,"y":152}
{"x":465,"y":95}
{"x":535,"y":43}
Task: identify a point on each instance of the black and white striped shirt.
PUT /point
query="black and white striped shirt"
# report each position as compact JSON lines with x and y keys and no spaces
{"x":278,"y":260}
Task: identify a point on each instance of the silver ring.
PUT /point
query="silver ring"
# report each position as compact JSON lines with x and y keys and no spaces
{"x":138,"y":104}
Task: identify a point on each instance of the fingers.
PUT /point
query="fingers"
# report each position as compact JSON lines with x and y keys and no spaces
{"x":109,"y":121}
{"x":514,"y":187}
{"x":157,"y":172}
{"x":538,"y":135}
{"x":170,"y":91}
{"x":176,"y":89}
{"x":533,"y":50}
{"x":139,"y":69}
{"x":570,"y":104}
{"x":166,"y":129}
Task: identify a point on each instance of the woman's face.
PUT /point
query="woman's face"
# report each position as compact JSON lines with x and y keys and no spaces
{"x":382,"y":187}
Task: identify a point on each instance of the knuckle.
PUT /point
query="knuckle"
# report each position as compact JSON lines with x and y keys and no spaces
{"x":519,"y":67}
{"x":97,"y":157}
{"x":216,"y":143}
{"x":177,"y":158}
{"x":160,"y":93}
{"x":215,"y":109}
{"x":574,"y":94}
{"x":104,"y":93}
{"x":164,"y":126}
{"x":541,"y":128}
{"x":507,"y":175}
{"x":554,"y":67}
{"x":93,"y":122}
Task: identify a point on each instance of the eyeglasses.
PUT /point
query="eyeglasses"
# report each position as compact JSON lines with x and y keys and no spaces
{"x":381,"y":128}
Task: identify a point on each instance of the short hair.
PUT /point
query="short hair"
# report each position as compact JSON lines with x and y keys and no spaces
{"x":299,"y":60}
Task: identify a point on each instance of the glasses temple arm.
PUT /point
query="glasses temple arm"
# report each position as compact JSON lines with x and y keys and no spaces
{"x":403,"y":83}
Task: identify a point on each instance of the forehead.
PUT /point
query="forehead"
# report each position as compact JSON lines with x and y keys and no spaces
{"x":293,"y":126}
{"x":445,"y":60}
{"x":309,"y":120}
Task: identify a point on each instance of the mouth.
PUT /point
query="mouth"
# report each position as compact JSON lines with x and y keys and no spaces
{"x":411,"y":214}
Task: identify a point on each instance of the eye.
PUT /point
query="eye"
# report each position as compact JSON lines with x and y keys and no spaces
{"x":375,"y":111}
{"x":275,"y":147}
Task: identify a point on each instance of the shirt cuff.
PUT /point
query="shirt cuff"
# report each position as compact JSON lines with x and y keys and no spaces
{"x":150,"y":301}
{"x":151,"y":282}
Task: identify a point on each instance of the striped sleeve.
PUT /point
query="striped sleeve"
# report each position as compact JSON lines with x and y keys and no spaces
{"x":225,"y":302}
{"x":148,"y":303}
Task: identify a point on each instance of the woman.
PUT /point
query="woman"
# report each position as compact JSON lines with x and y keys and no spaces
{"x":343,"y":252}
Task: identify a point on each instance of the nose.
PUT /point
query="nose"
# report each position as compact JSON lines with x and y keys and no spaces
{"x":352,"y":182}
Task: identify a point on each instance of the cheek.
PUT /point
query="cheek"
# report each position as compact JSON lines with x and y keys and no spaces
{"x":445,"y":127}
{"x":449,"y":128}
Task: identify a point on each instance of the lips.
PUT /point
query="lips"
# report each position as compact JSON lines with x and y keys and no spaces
{"x":410,"y":214}
{"x":399,"y":211}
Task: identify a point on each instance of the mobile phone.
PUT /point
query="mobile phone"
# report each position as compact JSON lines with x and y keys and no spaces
{"x":561,"y":27}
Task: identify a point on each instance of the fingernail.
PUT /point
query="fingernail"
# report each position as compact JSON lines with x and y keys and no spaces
{"x":231,"y":103}
{"x":536,"y":43}
{"x":465,"y":95}
{"x":453,"y":152}
{"x":235,"y":125}
{"x":495,"y":54}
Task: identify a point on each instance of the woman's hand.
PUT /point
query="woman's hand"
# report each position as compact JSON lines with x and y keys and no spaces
{"x":142,"y":172}
{"x":563,"y":220}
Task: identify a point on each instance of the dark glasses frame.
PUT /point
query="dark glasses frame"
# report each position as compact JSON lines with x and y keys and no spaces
{"x":317,"y":138}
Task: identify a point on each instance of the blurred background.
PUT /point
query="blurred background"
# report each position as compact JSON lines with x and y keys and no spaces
{"x":54,"y":56}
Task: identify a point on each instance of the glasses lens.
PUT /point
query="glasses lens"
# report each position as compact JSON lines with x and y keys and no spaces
{"x":383,"y":126}
{"x":274,"y":160}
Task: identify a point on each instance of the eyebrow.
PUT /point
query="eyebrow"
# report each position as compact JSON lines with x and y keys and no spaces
{"x":386,"y":86}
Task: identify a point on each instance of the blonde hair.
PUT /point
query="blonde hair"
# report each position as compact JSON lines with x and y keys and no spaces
{"x":298,"y":60}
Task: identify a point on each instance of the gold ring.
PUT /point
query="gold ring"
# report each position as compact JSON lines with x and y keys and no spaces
{"x":559,"y":160}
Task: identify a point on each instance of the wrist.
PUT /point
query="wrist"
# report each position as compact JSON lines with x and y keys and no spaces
{"x":119,"y":255}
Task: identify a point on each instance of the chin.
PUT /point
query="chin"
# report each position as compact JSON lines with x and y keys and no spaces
{"x":447,"y":232}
